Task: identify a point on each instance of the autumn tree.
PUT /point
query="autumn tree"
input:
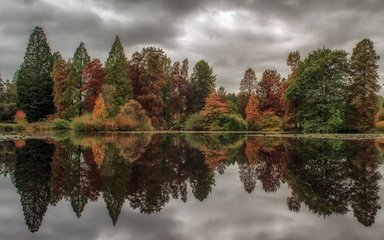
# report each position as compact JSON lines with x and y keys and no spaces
{"x":180,"y":90}
{"x":116,"y":75}
{"x":269,"y":92}
{"x":363,"y":86}
{"x":93,"y":76}
{"x":252,"y":112}
{"x":319,"y":90}
{"x":202,"y":83}
{"x":247,"y":87}
{"x":75,"y":83}
{"x":248,"y":84}
{"x":215,"y":106}
{"x":59,"y":75}
{"x":33,"y":80}
{"x":149,"y":77}
{"x":99,"y":108}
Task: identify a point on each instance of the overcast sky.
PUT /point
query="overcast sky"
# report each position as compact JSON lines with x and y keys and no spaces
{"x":231,"y":35}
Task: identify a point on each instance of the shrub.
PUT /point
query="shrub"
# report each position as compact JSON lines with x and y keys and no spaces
{"x":60,"y":124}
{"x":269,"y":122}
{"x":10,"y":127}
{"x":379,"y":125}
{"x":125,"y":123}
{"x":195,"y":122}
{"x":132,"y":117}
{"x":379,"y":116}
{"x":234,"y":122}
{"x":109,"y":125}
{"x":20,"y":117}
{"x":86,"y":123}
{"x":7,"y":112}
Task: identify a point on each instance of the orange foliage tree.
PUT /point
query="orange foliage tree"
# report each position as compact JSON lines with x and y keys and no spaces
{"x":252,"y":112}
{"x":215,"y":105}
{"x":99,"y":109}
{"x":20,"y":116}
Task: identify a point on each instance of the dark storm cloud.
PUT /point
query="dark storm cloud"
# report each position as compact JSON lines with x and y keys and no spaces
{"x":231,"y":35}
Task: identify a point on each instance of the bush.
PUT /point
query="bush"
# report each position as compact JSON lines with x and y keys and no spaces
{"x":195,"y":122}
{"x":7,"y":112}
{"x":379,"y":125}
{"x":86,"y":123}
{"x":10,"y":127}
{"x":20,"y":117}
{"x":132,"y":117}
{"x":109,"y":125}
{"x":269,"y":122}
{"x":60,"y":124}
{"x":234,"y":122}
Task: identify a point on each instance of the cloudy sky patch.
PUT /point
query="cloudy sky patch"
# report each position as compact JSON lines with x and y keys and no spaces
{"x":230,"y":35}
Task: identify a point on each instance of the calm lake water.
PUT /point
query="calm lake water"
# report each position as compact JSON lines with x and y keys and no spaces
{"x":191,"y":186}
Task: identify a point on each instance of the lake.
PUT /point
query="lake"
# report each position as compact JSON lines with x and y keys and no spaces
{"x":191,"y":186}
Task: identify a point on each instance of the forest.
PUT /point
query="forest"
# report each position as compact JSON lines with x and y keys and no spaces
{"x":328,"y":91}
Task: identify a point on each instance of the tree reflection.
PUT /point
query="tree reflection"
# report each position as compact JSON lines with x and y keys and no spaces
{"x":319,"y":175}
{"x":147,"y":171}
{"x":365,"y":178}
{"x":32,"y":175}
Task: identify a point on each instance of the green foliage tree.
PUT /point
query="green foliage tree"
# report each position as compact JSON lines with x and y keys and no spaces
{"x":33,"y":80}
{"x":75,"y":83}
{"x":116,"y":74}
{"x":363,"y":86}
{"x":202,"y":83}
{"x":319,"y":91}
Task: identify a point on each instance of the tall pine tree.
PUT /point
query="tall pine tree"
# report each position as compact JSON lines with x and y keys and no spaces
{"x":202,"y":84}
{"x":34,"y":82}
{"x":75,"y":83}
{"x":363,"y":86}
{"x":116,"y":75}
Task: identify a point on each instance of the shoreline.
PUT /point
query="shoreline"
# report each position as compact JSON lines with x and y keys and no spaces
{"x":4,"y":136}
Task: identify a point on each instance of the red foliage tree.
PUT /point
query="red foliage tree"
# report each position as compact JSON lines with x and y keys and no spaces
{"x":270,"y":91}
{"x":93,"y":75}
{"x":148,"y":70}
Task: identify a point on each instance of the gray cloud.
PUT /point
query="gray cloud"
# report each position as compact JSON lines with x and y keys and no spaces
{"x":231,"y":35}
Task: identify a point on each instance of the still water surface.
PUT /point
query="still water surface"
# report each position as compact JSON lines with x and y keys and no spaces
{"x":191,"y":186}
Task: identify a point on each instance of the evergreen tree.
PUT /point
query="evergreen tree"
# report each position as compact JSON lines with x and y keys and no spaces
{"x":363,"y":86}
{"x":75,"y":83}
{"x":34,"y":82}
{"x":116,"y":74}
{"x":202,"y":83}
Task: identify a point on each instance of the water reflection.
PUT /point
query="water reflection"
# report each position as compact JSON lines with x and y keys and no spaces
{"x":329,"y":177}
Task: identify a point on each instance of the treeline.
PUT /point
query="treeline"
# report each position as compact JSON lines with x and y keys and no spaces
{"x":325,"y":92}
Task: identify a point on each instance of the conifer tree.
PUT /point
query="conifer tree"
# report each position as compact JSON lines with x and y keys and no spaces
{"x":59,"y":76}
{"x":116,"y":74}
{"x":363,"y":86}
{"x":248,"y":86}
{"x":33,"y":80}
{"x":202,"y":84}
{"x":252,"y":112}
{"x":75,"y":82}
